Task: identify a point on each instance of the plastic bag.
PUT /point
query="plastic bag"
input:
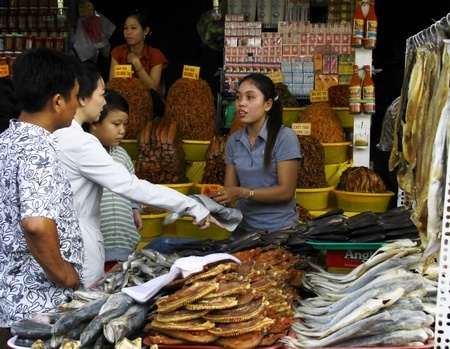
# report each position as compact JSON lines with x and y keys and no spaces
{"x":92,"y":34}
{"x":334,"y":178}
{"x":212,"y":32}
{"x":388,"y":127}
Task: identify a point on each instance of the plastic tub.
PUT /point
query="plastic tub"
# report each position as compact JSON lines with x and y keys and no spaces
{"x":335,"y":153}
{"x":290,"y":115}
{"x":184,"y":188}
{"x":130,"y":145}
{"x":345,"y":117}
{"x":185,"y":229}
{"x":313,"y":199}
{"x":195,"y":150}
{"x":361,"y":202}
{"x":152,"y":225}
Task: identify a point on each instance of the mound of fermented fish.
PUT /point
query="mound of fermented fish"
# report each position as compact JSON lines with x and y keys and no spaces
{"x":380,"y":303}
{"x":233,"y":305}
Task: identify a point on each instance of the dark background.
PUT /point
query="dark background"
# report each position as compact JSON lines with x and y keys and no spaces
{"x":173,"y":26}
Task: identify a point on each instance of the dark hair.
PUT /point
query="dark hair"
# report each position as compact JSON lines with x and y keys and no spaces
{"x":39,"y":74}
{"x":88,"y":80}
{"x":274,"y":115}
{"x":141,"y":17}
{"x":114,"y":101}
{"x":8,"y":103}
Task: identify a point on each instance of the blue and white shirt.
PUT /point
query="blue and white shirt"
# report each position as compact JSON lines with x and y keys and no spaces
{"x":33,"y":183}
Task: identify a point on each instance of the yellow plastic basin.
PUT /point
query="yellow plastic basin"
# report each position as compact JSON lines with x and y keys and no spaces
{"x":313,"y":199}
{"x":361,"y":202}
{"x":195,"y":150}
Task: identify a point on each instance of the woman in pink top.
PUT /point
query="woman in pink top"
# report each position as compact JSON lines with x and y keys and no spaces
{"x":147,"y":62}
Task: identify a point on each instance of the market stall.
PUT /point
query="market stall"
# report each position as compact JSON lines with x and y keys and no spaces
{"x":290,"y":288}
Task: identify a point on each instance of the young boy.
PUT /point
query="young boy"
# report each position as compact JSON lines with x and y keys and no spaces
{"x":120,"y":219}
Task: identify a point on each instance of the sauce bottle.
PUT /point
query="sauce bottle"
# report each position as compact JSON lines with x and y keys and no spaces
{"x":368,"y":92}
{"x":357,"y":27}
{"x":371,"y":25}
{"x":354,"y":100}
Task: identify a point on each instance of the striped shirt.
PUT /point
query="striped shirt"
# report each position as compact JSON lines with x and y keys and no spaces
{"x":117,"y":224}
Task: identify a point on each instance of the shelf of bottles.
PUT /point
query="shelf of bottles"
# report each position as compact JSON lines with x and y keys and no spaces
{"x":362,"y":101}
{"x":32,"y":23}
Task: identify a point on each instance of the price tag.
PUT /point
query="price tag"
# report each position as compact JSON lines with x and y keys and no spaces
{"x":302,"y":129}
{"x":123,"y":71}
{"x":208,"y":188}
{"x":318,"y":96}
{"x":191,"y":72}
{"x":4,"y":70}
{"x":276,"y":77}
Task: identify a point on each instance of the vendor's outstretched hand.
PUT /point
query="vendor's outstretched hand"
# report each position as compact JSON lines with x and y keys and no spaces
{"x":206,"y":222}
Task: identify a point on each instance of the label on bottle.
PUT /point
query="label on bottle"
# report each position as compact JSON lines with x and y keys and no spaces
{"x":358,"y":28}
{"x":368,"y":94}
{"x":371,"y":34}
{"x":355,"y":94}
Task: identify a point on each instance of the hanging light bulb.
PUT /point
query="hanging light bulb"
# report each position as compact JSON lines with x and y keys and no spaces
{"x":216,"y":14}
{"x":60,"y":15}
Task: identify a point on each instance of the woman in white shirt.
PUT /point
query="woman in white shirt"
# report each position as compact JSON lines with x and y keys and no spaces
{"x":90,"y":168}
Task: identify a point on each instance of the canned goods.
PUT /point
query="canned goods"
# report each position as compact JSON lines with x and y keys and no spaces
{"x":48,"y":42}
{"x":13,"y":3}
{"x":22,"y":18}
{"x":42,"y":19}
{"x":51,"y":18}
{"x":19,"y":42}
{"x":32,"y":18}
{"x":38,"y":42}
{"x":59,"y":44}
{"x":3,"y":18}
{"x":29,"y":41}
{"x":12,"y":19}
{"x":8,"y":42}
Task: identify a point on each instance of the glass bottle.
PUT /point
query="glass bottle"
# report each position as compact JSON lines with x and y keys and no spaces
{"x":354,"y":100}
{"x":368,"y":92}
{"x":357,"y":27}
{"x":371,"y":25}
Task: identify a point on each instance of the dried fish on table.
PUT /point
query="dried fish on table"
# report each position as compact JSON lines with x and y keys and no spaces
{"x":132,"y":320}
{"x":373,"y":306}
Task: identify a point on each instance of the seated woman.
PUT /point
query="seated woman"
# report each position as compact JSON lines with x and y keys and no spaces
{"x":148,"y":62}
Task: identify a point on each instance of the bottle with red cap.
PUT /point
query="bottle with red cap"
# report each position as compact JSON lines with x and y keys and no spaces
{"x":368,"y":92}
{"x":357,"y":27}
{"x":370,"y":27}
{"x":354,"y":100}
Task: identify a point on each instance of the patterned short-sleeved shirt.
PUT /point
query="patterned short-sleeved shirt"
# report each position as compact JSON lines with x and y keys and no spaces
{"x":32,"y":184}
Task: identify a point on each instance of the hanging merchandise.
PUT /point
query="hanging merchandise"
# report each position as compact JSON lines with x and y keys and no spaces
{"x":370,"y":27}
{"x":357,"y":26}
{"x":92,"y":33}
{"x":210,"y":29}
{"x":368,"y":92}
{"x":354,"y":100}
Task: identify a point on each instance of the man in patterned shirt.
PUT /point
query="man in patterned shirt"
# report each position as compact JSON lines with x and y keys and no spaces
{"x":41,"y":252}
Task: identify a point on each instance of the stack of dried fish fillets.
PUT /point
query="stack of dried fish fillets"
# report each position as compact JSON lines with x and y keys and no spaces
{"x":378,"y":304}
{"x":232,"y":305}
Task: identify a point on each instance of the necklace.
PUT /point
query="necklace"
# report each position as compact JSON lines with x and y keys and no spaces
{"x":252,"y":143}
